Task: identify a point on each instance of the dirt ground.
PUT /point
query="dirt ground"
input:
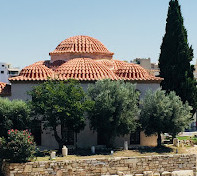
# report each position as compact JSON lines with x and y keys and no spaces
{"x":168,"y":149}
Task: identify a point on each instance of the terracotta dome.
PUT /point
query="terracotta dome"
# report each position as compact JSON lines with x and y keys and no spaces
{"x":84,"y":69}
{"x":129,"y":71}
{"x":37,"y":72}
{"x":113,"y":64}
{"x":81,"y":44}
{"x":132,"y":71}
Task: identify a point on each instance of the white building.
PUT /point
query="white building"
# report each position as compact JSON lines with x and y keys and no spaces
{"x":151,"y":68}
{"x":7,"y":71}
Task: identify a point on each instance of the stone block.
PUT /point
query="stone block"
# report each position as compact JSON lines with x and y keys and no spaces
{"x":148,"y":173}
{"x":165,"y":173}
{"x":156,"y":174}
{"x":183,"y":173}
{"x":37,"y":169}
{"x":59,"y":173}
{"x":28,"y":168}
{"x":139,"y":174}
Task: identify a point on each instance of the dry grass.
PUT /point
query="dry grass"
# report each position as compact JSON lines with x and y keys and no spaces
{"x":168,"y":149}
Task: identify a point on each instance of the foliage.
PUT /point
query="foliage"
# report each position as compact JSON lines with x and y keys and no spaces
{"x":175,"y":58}
{"x":60,"y":103}
{"x":13,"y":114}
{"x":163,"y":113}
{"x":115,"y":109}
{"x":18,"y":147}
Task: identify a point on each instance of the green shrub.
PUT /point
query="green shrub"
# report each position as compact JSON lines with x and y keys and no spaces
{"x":18,"y":147}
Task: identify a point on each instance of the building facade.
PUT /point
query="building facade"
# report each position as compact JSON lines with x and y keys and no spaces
{"x":7,"y":71}
{"x":151,"y":68}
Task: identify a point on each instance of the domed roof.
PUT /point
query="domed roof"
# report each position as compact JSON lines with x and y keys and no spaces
{"x":81,"y":44}
{"x":129,"y":71}
{"x":84,"y":69}
{"x":132,"y":71}
{"x":35,"y":71}
{"x":50,"y":65}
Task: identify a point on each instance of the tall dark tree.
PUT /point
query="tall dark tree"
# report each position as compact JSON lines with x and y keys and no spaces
{"x":175,"y":58}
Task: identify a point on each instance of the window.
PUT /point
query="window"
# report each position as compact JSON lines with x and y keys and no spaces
{"x":2,"y":72}
{"x":135,"y":137}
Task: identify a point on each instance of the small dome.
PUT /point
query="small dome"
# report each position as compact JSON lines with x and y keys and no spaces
{"x":35,"y":71}
{"x":81,"y":44}
{"x":132,"y":71}
{"x":84,"y":69}
{"x":128,"y":71}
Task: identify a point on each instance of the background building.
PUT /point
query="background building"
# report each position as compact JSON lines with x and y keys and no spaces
{"x":151,"y":68}
{"x":7,"y":71}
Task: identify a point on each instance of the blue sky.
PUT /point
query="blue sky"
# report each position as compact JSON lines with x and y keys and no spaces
{"x":30,"y":29}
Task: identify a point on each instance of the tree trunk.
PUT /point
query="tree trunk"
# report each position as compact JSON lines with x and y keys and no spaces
{"x":159,"y":139}
{"x":58,"y":139}
{"x":110,"y":142}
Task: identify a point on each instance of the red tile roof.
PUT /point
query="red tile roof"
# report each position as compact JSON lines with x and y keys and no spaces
{"x":129,"y":71}
{"x":5,"y":89}
{"x":34,"y":72}
{"x":81,"y":44}
{"x":52,"y":65}
{"x":84,"y":69}
{"x":135,"y":72}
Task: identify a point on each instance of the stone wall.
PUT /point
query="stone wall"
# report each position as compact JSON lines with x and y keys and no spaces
{"x":102,"y":166}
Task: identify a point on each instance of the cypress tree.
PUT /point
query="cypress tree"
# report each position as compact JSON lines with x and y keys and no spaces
{"x":175,"y":58}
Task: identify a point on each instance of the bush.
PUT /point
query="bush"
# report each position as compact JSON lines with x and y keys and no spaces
{"x":18,"y":147}
{"x":13,"y":115}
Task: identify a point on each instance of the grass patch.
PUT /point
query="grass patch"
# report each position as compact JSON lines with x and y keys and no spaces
{"x":141,"y":151}
{"x":192,"y":138}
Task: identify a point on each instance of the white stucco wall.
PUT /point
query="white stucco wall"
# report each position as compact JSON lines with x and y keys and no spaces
{"x":144,"y":87}
{"x":19,"y":91}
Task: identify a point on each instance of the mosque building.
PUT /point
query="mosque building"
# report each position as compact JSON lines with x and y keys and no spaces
{"x":85,"y":59}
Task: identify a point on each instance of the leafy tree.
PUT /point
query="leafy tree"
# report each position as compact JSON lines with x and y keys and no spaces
{"x":180,"y":115}
{"x":13,"y":115}
{"x":60,"y":103}
{"x":175,"y":58}
{"x":115,"y":109}
{"x":163,"y":113}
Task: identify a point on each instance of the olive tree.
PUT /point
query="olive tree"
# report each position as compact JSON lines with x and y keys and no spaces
{"x":164,"y":113}
{"x":115,"y":109}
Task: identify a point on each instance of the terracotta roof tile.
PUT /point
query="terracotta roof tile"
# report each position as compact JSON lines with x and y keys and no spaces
{"x":35,"y":72}
{"x":84,"y":69}
{"x":54,"y":65}
{"x":129,"y":71}
{"x":5,"y":89}
{"x":81,"y":44}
